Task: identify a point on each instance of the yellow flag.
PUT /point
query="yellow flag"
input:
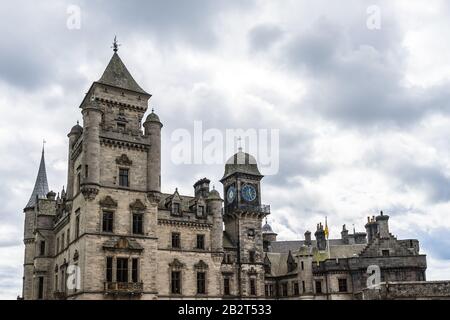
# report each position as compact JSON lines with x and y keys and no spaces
{"x":326,"y":228}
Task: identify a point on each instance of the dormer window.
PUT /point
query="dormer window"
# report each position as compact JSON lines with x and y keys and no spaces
{"x":201,"y":212}
{"x":176,"y":209}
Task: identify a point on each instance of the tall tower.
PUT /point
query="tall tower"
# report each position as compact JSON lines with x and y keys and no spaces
{"x":108,"y":219}
{"x":243,"y":215}
{"x":30,"y":287}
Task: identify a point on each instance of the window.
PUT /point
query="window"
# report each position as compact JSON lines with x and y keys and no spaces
{"x":41,"y":288}
{"x":226,"y":286}
{"x":108,"y":221}
{"x":201,"y":212}
{"x":123,"y":178}
{"x":78,"y":182}
{"x":385,"y":253}
{"x":77,"y":224}
{"x":86,"y":171}
{"x":296,"y":289}
{"x":318,"y":286}
{"x":303,"y":286}
{"x":176,"y":243}
{"x":121,"y":126}
{"x":253,"y":287}
{"x":62,"y":242}
{"x":342,"y":285}
{"x":176,"y":209}
{"x":56,"y":282}
{"x":176,"y":282}
{"x":138,"y":220}
{"x":122,"y":270}
{"x":134,"y":270}
{"x":284,"y":289}
{"x":109,"y":269}
{"x":201,"y":282}
{"x":57,"y":245}
{"x":201,"y":241}
{"x":68,"y":236}
{"x":42,"y":248}
{"x":303,"y":265}
{"x":251,"y":255}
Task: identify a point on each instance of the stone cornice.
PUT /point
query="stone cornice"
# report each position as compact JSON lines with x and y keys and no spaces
{"x":182,"y":223}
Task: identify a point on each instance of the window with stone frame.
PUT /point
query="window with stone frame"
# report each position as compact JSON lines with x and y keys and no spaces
{"x":385,"y":253}
{"x":176,"y":210}
{"x":68,"y":237}
{"x":122,"y":270}
{"x":57,"y":245}
{"x":42,"y":248}
{"x":135,"y":270}
{"x":63,"y":241}
{"x":226,"y":286}
{"x":201,"y":212}
{"x":108,"y":221}
{"x":318,"y":287}
{"x":77,"y":223}
{"x":342,"y":285}
{"x":109,"y":269}
{"x":252,"y":286}
{"x":201,"y":282}
{"x":251,"y":256}
{"x":40,"y":288}
{"x":295,"y":288}
{"x":78,"y":182}
{"x":284,"y":289}
{"x":124,"y":179}
{"x":175,"y":282}
{"x":138,"y":223}
{"x":200,"y":242}
{"x":303,"y":286}
{"x":176,"y":241}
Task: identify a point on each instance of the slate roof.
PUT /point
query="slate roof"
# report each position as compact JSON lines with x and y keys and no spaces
{"x":117,"y":75}
{"x":41,"y":185}
{"x":285,"y":246}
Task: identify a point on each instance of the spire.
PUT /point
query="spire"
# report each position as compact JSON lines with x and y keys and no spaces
{"x":117,"y":75}
{"x":41,"y":186}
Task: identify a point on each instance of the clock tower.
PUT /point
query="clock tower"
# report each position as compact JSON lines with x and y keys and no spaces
{"x":243,"y":216}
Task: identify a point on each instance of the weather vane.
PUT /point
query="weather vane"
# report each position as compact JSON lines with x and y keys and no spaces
{"x":115,"y":45}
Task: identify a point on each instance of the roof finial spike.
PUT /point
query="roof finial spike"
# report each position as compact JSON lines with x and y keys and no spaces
{"x":115,"y":45}
{"x":153,"y":110}
{"x":78,"y":122}
{"x":43,"y":145}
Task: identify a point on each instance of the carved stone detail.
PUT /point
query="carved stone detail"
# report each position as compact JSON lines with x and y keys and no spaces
{"x":137,"y":206}
{"x":108,"y":202}
{"x":123,"y":160}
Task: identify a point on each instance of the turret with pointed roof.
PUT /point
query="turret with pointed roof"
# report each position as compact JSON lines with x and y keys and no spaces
{"x":41,"y":185}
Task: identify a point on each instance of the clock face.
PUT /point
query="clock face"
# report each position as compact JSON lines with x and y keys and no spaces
{"x":249,"y":193}
{"x":231,"y":194}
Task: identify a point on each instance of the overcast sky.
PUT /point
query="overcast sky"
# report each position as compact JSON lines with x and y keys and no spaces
{"x":363,"y":114}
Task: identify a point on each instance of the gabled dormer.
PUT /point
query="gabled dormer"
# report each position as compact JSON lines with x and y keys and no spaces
{"x":291,"y":264}
{"x":173,"y":204}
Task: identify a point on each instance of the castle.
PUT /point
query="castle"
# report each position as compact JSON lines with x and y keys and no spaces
{"x":112,"y":234}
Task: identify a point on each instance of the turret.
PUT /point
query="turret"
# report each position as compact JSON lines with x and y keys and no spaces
{"x":73,"y":136}
{"x":92,"y":118}
{"x":320,"y":237}
{"x":383,"y":225}
{"x":153,"y":127}
{"x":268,"y":236}
{"x":214,"y":203}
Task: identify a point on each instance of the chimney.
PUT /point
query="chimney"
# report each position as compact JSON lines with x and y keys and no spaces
{"x":344,"y":235}
{"x":201,"y":188}
{"x":383,"y":225}
{"x":320,"y":237}
{"x":308,"y":241}
{"x":371,"y":228}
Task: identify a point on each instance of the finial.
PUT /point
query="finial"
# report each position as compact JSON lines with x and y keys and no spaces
{"x":214,"y":187}
{"x":115,"y":45}
{"x":153,"y":110}
{"x":240,"y":143}
{"x":43,"y":145}
{"x":78,"y":122}
{"x":266,"y":220}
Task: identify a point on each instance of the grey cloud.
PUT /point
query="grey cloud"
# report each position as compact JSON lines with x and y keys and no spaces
{"x":263,"y":36}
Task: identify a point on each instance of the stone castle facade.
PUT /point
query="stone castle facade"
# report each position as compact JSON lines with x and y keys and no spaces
{"x":114,"y":235}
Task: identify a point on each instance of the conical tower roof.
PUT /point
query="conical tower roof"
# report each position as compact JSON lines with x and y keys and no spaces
{"x":41,"y":186}
{"x":117,"y":75}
